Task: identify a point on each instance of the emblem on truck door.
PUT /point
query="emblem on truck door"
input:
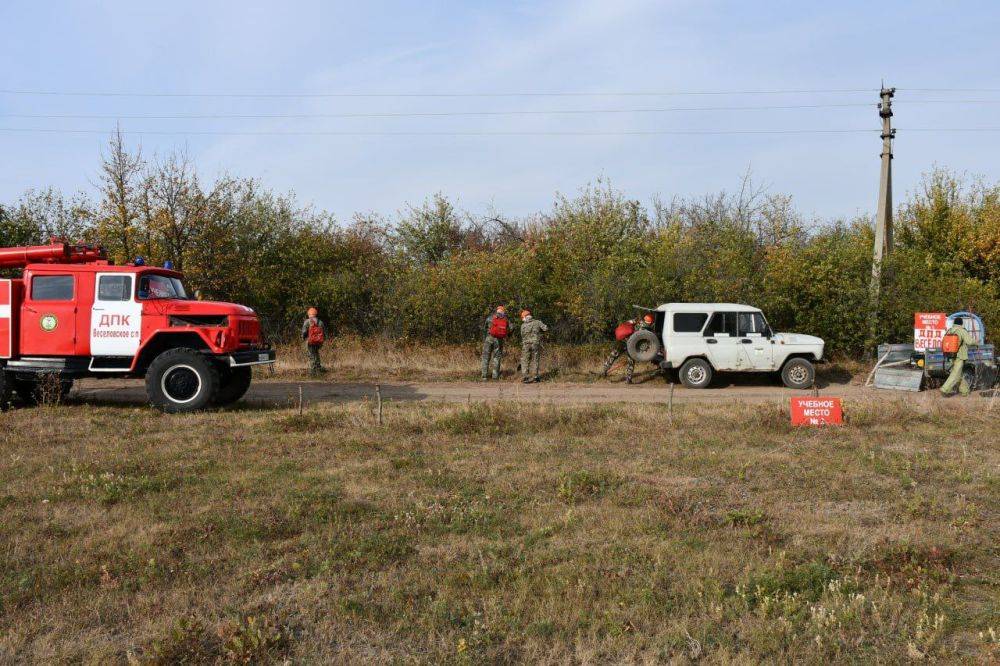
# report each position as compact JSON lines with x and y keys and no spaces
{"x":48,"y":323}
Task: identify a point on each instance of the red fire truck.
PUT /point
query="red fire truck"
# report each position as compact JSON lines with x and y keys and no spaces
{"x":73,"y":314}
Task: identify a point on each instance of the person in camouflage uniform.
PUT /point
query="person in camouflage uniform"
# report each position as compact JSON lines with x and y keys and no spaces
{"x":621,"y":347}
{"x":492,"y":347}
{"x":531,"y":346}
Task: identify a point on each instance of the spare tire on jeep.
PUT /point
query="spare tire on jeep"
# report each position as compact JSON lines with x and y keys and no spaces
{"x":643,"y":346}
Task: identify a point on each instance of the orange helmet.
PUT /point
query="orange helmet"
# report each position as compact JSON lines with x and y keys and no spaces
{"x":648,"y":318}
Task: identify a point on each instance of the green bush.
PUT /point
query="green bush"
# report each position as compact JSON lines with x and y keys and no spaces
{"x":435,"y":273}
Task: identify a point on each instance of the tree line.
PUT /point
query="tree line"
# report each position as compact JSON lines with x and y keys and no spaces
{"x":433,"y":272}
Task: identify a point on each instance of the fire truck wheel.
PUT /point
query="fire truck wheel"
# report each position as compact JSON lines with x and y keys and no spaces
{"x":5,"y":392}
{"x":181,"y":380}
{"x":234,"y":383}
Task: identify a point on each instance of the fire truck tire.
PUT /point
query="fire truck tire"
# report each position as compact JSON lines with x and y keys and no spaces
{"x":234,"y":383}
{"x":5,"y":392}
{"x":643,"y":346}
{"x":182,"y":380}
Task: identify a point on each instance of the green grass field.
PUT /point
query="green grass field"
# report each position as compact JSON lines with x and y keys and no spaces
{"x":499,"y":533}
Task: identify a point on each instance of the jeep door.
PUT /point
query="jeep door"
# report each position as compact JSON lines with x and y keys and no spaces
{"x":755,"y":341}
{"x":723,"y":343}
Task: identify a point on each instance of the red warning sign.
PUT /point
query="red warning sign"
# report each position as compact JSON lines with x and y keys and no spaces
{"x":928,"y":330}
{"x":816,"y":411}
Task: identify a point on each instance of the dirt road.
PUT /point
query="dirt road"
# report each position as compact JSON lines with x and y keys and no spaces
{"x":280,"y":393}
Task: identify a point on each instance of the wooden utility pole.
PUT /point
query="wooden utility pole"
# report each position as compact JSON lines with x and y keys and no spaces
{"x":883,"y":210}
{"x":883,"y":213}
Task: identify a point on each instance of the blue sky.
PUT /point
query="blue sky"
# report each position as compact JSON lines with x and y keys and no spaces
{"x":491,"y":47}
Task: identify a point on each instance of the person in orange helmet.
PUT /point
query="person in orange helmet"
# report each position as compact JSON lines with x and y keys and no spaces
{"x":497,"y":330}
{"x":621,"y":347}
{"x":314,"y":335}
{"x":531,"y":347}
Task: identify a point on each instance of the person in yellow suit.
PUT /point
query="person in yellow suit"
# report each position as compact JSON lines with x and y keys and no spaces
{"x":956,"y":378}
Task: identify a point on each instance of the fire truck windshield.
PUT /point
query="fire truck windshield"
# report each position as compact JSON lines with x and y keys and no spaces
{"x":160,"y":286}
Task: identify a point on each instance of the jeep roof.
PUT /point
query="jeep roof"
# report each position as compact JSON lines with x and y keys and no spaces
{"x":706,"y":307}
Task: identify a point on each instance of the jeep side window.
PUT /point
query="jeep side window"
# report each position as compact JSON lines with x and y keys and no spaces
{"x":722,"y":323}
{"x":52,"y":288}
{"x":761,"y":326}
{"x":115,"y":288}
{"x":751,"y":323}
{"x":689,"y":322}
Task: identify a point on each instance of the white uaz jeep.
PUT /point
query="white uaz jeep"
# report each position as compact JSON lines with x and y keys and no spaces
{"x":699,"y":339}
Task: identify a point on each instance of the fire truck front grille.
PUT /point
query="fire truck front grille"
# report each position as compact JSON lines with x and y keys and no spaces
{"x":248,"y":331}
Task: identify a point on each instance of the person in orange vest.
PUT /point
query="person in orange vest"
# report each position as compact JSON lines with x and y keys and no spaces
{"x":314,"y":335}
{"x":956,"y":379}
{"x":621,"y":347}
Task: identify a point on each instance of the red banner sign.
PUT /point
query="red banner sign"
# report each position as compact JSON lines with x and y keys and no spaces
{"x":928,"y":330}
{"x":816,"y":411}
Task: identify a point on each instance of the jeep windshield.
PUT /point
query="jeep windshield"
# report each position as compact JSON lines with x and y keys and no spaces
{"x":153,"y":287}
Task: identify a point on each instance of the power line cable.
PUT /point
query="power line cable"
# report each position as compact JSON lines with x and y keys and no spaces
{"x":45,"y":130}
{"x":949,"y":90}
{"x":440,"y":134}
{"x":304,"y":95}
{"x":948,"y":101}
{"x":413,"y":114}
{"x":436,"y":114}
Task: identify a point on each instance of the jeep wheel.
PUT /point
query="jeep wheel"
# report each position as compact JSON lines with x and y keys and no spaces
{"x":696,"y":373}
{"x":643,"y":346}
{"x":181,"y":380}
{"x":798,"y":374}
{"x":234,"y":383}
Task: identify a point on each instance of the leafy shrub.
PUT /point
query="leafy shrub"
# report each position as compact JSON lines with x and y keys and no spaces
{"x":575,"y":487}
{"x":254,"y":640}
{"x":434,"y":273}
{"x":805,"y":580}
{"x":188,"y":641}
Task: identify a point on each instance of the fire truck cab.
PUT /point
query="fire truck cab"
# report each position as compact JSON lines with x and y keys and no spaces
{"x":73,"y":314}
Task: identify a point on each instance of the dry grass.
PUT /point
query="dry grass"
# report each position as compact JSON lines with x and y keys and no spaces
{"x":368,"y":359}
{"x":498,"y":533}
{"x":374,"y":359}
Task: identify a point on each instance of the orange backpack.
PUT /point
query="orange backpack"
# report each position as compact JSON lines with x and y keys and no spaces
{"x":316,"y":335}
